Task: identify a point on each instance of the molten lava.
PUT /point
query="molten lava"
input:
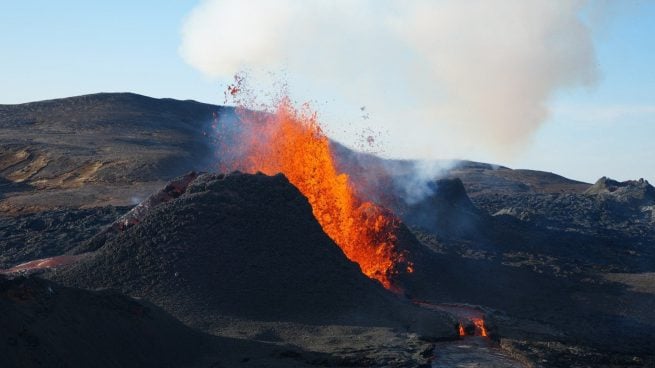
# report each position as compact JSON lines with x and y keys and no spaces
{"x":474,"y":327}
{"x":479,"y":327}
{"x":292,"y":142}
{"x":471,"y":319}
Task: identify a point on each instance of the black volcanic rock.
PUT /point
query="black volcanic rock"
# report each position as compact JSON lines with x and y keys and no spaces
{"x":439,"y":206}
{"x":447,"y":212}
{"x":632,"y":191}
{"x":494,"y":179}
{"x":172,"y":190}
{"x":373,"y":175}
{"x":50,"y":233}
{"x":43,"y":324}
{"x":245,"y":246}
{"x":117,"y":148}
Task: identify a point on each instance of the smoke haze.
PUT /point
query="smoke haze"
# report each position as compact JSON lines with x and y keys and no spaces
{"x":439,"y":78}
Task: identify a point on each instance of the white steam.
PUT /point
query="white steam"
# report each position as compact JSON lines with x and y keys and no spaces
{"x":440,"y":77}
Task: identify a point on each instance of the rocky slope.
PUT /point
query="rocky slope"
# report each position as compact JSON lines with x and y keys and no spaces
{"x":97,"y":149}
{"x":50,"y":233}
{"x":563,"y":269}
{"x":43,"y":324}
{"x":235,"y":245}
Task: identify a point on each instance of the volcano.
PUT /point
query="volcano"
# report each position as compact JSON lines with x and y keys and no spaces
{"x":559,"y":271}
{"x":244,"y":246}
{"x":292,"y":142}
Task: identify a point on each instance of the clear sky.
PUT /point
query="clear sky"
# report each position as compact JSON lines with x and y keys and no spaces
{"x":53,"y":49}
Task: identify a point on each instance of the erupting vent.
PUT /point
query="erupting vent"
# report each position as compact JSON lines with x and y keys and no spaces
{"x":474,"y":327}
{"x":292,"y":142}
{"x":471,"y":318}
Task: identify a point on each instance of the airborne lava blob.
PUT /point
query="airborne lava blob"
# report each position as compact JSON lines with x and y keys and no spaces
{"x":292,"y":142}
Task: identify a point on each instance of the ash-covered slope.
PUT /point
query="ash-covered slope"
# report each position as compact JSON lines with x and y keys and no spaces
{"x":43,"y":324}
{"x":447,"y":211}
{"x":484,"y":179}
{"x":116,"y":148}
{"x":371,"y":173}
{"x":99,"y":149}
{"x":32,"y":236}
{"x":638,"y":192}
{"x":244,"y":246}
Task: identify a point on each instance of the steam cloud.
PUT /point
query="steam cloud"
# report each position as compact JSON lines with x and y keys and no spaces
{"x":441,"y":78}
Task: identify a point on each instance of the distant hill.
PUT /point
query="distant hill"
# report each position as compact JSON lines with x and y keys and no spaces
{"x":46,"y":324}
{"x":116,"y":148}
{"x":106,"y":148}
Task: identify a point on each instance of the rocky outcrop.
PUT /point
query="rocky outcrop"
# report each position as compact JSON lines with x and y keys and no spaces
{"x":631,"y":191}
{"x":27,"y":237}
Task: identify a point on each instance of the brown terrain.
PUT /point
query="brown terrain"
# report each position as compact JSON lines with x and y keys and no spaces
{"x":233,"y":270}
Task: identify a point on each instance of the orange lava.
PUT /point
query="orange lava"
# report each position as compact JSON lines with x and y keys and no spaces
{"x":44,"y":263}
{"x":479,"y":327}
{"x":292,"y":142}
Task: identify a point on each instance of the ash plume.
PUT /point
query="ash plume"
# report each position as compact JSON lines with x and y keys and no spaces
{"x":443,"y":78}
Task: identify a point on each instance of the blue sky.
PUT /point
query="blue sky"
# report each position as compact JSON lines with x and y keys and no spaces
{"x":63,"y":48}
{"x":608,"y":129}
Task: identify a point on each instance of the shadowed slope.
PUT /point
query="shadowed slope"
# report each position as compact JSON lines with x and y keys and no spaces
{"x":44,"y":324}
{"x":245,"y":246}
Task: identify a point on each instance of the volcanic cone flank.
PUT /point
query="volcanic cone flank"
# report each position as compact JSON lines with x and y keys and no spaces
{"x":245,"y":246}
{"x":43,"y":324}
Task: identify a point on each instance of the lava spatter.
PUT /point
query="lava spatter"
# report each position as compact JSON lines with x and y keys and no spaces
{"x":292,"y":142}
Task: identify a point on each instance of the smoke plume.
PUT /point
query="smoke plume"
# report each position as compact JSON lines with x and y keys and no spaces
{"x":447,"y":78}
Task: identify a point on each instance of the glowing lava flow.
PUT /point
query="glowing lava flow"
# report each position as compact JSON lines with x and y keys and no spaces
{"x":292,"y":142}
{"x":479,"y":326}
{"x":471,"y":319}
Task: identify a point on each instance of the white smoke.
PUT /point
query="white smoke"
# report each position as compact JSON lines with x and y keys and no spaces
{"x":440,"y":77}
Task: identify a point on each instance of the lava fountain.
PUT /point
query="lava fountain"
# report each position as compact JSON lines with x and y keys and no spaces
{"x":292,"y":142}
